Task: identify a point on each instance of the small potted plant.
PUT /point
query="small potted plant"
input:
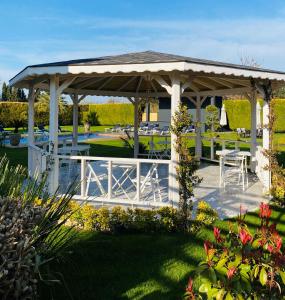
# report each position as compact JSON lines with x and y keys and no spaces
{"x":15,"y":137}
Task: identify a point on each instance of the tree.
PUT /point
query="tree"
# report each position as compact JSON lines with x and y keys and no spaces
{"x":212,"y":117}
{"x":4,"y":92}
{"x":187,"y":165}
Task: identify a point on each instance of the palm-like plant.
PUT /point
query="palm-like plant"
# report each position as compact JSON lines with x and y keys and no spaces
{"x":32,"y":230}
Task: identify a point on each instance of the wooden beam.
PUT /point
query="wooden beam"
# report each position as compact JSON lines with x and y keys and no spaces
{"x":139,"y":84}
{"x":65,"y":85}
{"x":127,"y":83}
{"x":163,"y":83}
{"x":106,"y":82}
{"x":238,"y":81}
{"x":89,"y":81}
{"x":206,"y":84}
{"x":222,"y":82}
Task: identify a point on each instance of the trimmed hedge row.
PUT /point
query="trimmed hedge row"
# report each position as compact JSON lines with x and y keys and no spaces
{"x":14,"y":114}
{"x":239,"y":112}
{"x":109,"y":114}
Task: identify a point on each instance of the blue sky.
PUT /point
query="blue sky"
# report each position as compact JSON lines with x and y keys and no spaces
{"x":44,"y":31}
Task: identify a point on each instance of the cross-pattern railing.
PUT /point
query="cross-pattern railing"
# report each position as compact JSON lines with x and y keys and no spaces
{"x":117,"y":180}
{"x":37,"y":161}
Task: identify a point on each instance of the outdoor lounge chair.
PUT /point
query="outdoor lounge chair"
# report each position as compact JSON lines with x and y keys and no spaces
{"x":165,"y":130}
{"x":116,"y":128}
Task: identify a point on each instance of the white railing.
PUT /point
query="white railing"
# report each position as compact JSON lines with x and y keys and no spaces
{"x":261,"y":172}
{"x":37,"y":161}
{"x":127,"y":181}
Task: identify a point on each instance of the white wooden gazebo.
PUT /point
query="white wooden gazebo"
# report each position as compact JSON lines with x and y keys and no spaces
{"x":134,"y":76}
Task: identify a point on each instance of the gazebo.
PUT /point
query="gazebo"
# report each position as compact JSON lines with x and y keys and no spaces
{"x":136,"y":76}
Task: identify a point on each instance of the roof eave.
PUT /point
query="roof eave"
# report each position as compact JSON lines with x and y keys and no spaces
{"x":143,"y":68}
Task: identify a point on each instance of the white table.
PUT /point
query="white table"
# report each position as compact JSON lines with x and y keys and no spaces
{"x":79,"y":149}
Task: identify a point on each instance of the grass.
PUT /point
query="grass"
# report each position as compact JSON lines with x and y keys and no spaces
{"x":137,"y":266}
{"x":130,"y":266}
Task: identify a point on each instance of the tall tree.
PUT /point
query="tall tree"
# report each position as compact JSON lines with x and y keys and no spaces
{"x":4,"y":92}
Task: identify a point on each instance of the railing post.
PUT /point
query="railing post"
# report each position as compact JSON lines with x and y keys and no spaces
{"x":138,"y":180}
{"x":212,"y":149}
{"x":236,"y":145}
{"x":223,"y":145}
{"x":83,"y":177}
{"x":110,"y":165}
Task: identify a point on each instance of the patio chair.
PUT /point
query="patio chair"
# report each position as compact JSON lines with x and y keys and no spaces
{"x":189,"y":129}
{"x":237,"y":171}
{"x":151,"y":179}
{"x":165,"y":130}
{"x":153,"y":152}
{"x":96,"y":178}
{"x":116,"y":128}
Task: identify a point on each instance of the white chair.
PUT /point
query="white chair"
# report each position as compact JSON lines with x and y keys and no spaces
{"x":96,"y":178}
{"x":237,"y":170}
{"x":151,"y":179}
{"x":153,"y":152}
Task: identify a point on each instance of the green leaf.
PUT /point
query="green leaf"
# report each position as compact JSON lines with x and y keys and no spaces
{"x":282,"y":275}
{"x":204,"y":288}
{"x":256,"y":271}
{"x":212,"y":275}
{"x":263,"y":276}
{"x":245,"y":268}
{"x":220,"y":295}
{"x":221,"y":263}
{"x":240,"y":297}
{"x":229,"y":296}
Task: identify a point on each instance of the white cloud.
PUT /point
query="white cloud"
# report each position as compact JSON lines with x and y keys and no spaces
{"x":224,"y":40}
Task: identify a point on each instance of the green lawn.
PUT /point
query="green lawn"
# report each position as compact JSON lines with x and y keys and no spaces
{"x":129,"y":266}
{"x":136,"y":266}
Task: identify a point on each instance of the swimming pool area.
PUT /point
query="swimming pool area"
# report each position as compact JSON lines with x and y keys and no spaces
{"x":43,"y":137}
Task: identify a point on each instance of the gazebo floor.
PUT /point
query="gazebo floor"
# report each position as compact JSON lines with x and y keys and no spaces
{"x":227,"y":201}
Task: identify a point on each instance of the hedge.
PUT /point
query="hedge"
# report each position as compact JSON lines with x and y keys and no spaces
{"x":16,"y":114}
{"x":110,"y":114}
{"x":239,"y":113}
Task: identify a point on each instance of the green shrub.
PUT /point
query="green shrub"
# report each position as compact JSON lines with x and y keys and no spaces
{"x":119,"y":219}
{"x":279,"y":109}
{"x":205,"y":213}
{"x":241,"y":265}
{"x":109,"y":114}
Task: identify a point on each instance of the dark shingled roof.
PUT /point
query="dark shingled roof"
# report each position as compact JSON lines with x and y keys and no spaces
{"x":145,"y":58}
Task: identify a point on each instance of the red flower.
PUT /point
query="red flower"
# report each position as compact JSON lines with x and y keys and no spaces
{"x":272,"y":228}
{"x":264,"y":211}
{"x":207,"y":247}
{"x":189,"y":287}
{"x":245,"y":236}
{"x":277,"y":243}
{"x":231,"y":272}
{"x":217,"y":234}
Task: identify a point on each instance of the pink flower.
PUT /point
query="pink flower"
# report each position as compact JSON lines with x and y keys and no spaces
{"x":217,"y":234}
{"x":245,"y":236}
{"x":265,"y":211}
{"x":231,"y":272}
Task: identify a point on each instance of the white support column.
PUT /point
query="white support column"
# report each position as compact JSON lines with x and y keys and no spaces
{"x":265,"y":143}
{"x":136,"y":125}
{"x":53,"y":133}
{"x":31,"y":123}
{"x":75,"y":120}
{"x":175,"y":101}
{"x":198,"y":144}
{"x":253,"y":143}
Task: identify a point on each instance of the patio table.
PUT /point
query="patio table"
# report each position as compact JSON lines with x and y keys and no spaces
{"x":79,"y":149}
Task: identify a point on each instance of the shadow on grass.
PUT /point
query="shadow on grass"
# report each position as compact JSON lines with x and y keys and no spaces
{"x":129,"y":266}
